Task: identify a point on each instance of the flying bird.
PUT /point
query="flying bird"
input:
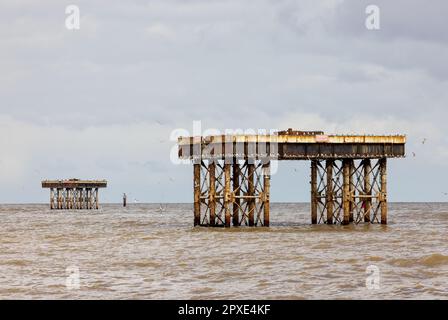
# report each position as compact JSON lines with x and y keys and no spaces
{"x":413,"y":154}
{"x":424,"y":140}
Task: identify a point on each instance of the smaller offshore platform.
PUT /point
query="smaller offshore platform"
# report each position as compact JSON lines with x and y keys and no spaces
{"x":74,"y":193}
{"x":348,"y":179}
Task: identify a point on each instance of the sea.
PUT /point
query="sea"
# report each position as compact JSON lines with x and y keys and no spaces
{"x":152,"y":251}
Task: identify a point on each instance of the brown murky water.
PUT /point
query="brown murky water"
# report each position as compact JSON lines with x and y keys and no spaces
{"x":140,"y":253}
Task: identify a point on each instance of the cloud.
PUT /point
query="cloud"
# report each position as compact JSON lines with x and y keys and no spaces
{"x":160,"y":31}
{"x":36,"y":151}
{"x":137,"y":70}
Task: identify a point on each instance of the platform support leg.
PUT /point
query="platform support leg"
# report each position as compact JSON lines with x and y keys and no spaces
{"x":212,"y":192}
{"x":251,"y":191}
{"x":383,"y":191}
{"x":346,"y":191}
{"x":197,"y":193}
{"x":236,"y":193}
{"x":313,"y":191}
{"x":329,"y":191}
{"x":367,"y":192}
{"x":266,"y":190}
{"x":227,"y":195}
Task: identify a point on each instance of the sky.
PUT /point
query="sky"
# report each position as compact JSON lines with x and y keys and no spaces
{"x":106,"y":100}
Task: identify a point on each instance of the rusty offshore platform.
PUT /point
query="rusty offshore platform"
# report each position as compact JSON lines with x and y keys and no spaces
{"x":232,"y":175}
{"x":74,"y":193}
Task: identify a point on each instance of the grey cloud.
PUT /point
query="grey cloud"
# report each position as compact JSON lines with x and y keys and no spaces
{"x":139,"y":69}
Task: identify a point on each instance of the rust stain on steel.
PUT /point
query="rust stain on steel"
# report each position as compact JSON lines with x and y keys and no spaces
{"x":397,"y":139}
{"x":293,"y":145}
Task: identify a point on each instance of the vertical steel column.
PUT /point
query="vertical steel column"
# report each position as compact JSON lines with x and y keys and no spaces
{"x":236,"y":192}
{"x":64,"y":198}
{"x":88,"y":198}
{"x":67,"y":198}
{"x":58,"y":195}
{"x":51,"y":198}
{"x":313,"y":191}
{"x":75,"y":198}
{"x":197,"y":193}
{"x":84,"y":199}
{"x":212,"y":192}
{"x":383,"y":191}
{"x":266,"y":192}
{"x":72,"y":199}
{"x":251,"y":191}
{"x":346,"y":190}
{"x":367,"y":203}
{"x":96,"y":199}
{"x":80,"y":198}
{"x":329,"y":191}
{"x":352,"y":189}
{"x":227,"y":195}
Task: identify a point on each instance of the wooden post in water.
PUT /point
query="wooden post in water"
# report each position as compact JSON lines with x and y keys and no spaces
{"x":367,"y":166}
{"x":227,"y":195}
{"x":124,"y":199}
{"x":212,"y":192}
{"x":314,"y":191}
{"x":346,"y":190}
{"x":197,"y":193}
{"x":329,"y":190}
{"x":266,"y":192}
{"x":383,"y":192}
{"x":251,"y":191}
{"x":236,"y":192}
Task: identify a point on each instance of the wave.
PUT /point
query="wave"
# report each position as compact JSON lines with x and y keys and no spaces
{"x":432,"y":260}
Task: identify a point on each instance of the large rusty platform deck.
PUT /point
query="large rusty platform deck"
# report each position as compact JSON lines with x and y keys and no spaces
{"x":285,"y":146}
{"x":232,"y":175}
